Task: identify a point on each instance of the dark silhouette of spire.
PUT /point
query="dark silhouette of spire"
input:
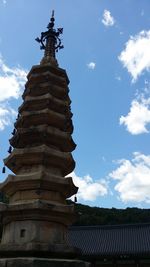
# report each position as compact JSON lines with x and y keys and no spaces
{"x":50,"y":41}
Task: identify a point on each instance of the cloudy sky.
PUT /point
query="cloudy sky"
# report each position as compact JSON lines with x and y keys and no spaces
{"x":107,"y":58}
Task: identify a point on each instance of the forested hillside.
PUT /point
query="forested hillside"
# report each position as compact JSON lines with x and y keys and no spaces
{"x":102,"y":216}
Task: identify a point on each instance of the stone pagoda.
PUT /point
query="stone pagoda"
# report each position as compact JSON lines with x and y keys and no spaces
{"x":36,"y":217}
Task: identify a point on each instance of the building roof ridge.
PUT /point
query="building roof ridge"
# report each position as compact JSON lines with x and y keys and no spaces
{"x":112,"y":226}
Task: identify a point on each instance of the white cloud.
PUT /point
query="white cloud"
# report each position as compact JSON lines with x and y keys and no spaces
{"x":4,"y":2}
{"x":89,"y":190}
{"x":138,"y":117}
{"x":7,"y":115}
{"x":12,"y":82}
{"x":108,"y":20}
{"x":103,"y":158}
{"x":133,"y":178}
{"x":91,"y":65}
{"x":136,"y":56}
{"x":118,"y":78}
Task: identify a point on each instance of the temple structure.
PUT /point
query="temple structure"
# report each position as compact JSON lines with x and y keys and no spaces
{"x":36,"y":218}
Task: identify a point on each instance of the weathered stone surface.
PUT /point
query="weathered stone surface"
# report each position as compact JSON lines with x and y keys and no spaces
{"x":37,"y":262}
{"x":43,"y":101}
{"x":37,"y":182}
{"x":36,"y":217}
{"x":38,"y":249}
{"x":40,"y":155}
{"x":57,"y":71}
{"x":43,"y":134}
{"x":38,"y":69}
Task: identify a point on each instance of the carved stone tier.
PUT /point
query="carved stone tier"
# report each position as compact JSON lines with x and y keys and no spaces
{"x":41,"y":78}
{"x":46,"y":116}
{"x":38,"y":210}
{"x":37,"y":215}
{"x":34,"y":185}
{"x":26,"y":159}
{"x":47,"y":73}
{"x":41,"y":262}
{"x":38,"y":69}
{"x":46,"y":79}
{"x":32,"y":103}
{"x":43,"y":134}
{"x":38,"y":225}
{"x":45,"y":88}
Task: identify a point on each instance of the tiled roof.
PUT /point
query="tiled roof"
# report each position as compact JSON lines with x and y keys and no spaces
{"x":114,"y":240}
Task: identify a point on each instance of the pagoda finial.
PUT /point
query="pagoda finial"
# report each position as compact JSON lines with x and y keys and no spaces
{"x":53,"y":12}
{"x":51,"y":23}
{"x":50,"y":41}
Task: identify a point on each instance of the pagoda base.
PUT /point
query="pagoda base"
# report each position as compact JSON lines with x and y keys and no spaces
{"x":34,"y":249}
{"x":41,"y":262}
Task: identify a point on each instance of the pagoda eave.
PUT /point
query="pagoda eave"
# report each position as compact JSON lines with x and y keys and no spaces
{"x":45,"y":88}
{"x":38,"y":210}
{"x":34,"y":156}
{"x":42,"y":68}
{"x":47,"y":135}
{"x":38,"y":181}
{"x":30,"y":120}
{"x":35,"y":214}
{"x":49,"y":117}
{"x":41,"y":102}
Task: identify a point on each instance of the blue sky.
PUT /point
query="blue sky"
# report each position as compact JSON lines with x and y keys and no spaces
{"x":107,"y":58}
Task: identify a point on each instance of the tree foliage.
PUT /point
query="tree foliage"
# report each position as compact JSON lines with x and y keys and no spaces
{"x":87,"y":215}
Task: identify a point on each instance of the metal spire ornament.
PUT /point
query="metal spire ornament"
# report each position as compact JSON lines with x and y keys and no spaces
{"x":50,"y":41}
